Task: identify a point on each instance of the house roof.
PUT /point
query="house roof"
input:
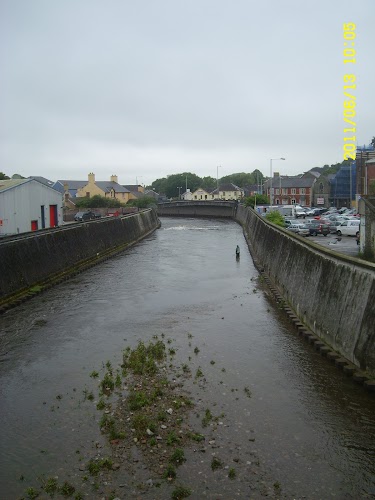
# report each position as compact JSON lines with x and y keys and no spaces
{"x":107,"y":186}
{"x":11,"y":183}
{"x":292,"y":182}
{"x":226,"y":187}
{"x":43,"y":180}
{"x":72,"y":184}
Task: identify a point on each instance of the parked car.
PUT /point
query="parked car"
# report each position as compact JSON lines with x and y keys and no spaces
{"x":333,"y":225}
{"x":82,"y":216}
{"x":300,"y":229}
{"x":300,"y":212}
{"x":348,"y":228}
{"x":304,"y":230}
{"x":294,"y":228}
{"x":318,"y":228}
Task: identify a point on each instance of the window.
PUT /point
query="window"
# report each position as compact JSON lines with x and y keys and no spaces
{"x":223,"y":193}
{"x":284,"y":191}
{"x":195,"y":197}
{"x":293,"y":201}
{"x":302,"y":191}
{"x":277,"y":191}
{"x":293,"y":191}
{"x":87,"y":194}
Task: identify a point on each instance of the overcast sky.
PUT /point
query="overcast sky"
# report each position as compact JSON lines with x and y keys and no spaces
{"x":148,"y":88}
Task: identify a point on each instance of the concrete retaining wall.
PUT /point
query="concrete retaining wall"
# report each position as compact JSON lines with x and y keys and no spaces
{"x":334,"y":296}
{"x":197,"y":209}
{"x":26,"y":262}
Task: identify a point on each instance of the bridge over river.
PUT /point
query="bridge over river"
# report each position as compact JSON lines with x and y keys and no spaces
{"x":289,"y":423}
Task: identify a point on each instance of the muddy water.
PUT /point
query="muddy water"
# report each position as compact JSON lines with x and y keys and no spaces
{"x":290,"y":423}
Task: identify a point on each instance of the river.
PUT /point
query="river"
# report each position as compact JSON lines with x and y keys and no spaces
{"x":292,"y":424}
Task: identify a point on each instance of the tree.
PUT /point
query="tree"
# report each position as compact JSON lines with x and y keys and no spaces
{"x":208,"y":183}
{"x":144,"y":202}
{"x":3,"y":176}
{"x":373,"y":142}
{"x":259,"y":199}
{"x":276,"y":218}
{"x":98,"y":201}
{"x":171,"y":184}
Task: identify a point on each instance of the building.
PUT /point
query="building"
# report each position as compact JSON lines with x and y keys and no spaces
{"x":199,"y":194}
{"x":108,"y":189}
{"x":136,"y":191}
{"x":365,"y":169}
{"x":28,"y":205}
{"x":69,"y":188}
{"x":366,"y":209}
{"x":321,"y":192}
{"x":291,"y":190}
{"x":227,"y":192}
{"x":343,"y":186}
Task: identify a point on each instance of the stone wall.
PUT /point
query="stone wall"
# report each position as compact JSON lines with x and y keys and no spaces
{"x":333,"y":295}
{"x":197,"y":209}
{"x":31,"y":260}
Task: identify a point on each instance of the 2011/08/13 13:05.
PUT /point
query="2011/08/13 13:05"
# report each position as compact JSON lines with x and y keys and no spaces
{"x":350,"y":101}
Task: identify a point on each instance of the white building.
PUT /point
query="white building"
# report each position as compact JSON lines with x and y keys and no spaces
{"x":28,"y":205}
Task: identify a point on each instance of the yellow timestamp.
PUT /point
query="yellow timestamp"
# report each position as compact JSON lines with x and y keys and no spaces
{"x":349,"y":111}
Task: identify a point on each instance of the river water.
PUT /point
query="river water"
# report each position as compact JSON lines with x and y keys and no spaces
{"x":292,"y":424}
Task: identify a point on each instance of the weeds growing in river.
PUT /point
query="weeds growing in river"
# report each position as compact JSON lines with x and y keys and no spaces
{"x":50,"y":485}
{"x":95,"y":466}
{"x":216,"y":463}
{"x":32,"y":493}
{"x":170,"y":472}
{"x":178,"y":457}
{"x":181,"y":492}
{"x":232,"y":473}
{"x":207,"y":418}
{"x":138,"y":400}
{"x":67,"y":489}
{"x":143,"y":359}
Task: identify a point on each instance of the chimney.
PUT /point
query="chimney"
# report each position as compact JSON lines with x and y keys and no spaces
{"x":91,"y":178}
{"x":114,"y":178}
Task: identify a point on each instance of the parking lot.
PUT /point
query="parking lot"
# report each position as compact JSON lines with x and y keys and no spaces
{"x":344,"y":244}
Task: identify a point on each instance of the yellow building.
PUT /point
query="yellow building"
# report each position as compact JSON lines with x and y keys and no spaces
{"x":109,"y":189}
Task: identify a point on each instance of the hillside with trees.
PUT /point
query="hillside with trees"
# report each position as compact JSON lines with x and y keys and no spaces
{"x":170,"y":185}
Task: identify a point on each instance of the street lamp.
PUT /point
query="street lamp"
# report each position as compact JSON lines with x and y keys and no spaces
{"x":217,"y":178}
{"x":271,"y":197}
{"x":179,"y":192}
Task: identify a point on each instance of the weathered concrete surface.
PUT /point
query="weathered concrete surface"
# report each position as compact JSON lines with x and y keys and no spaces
{"x":27,"y":262}
{"x":333,"y":295}
{"x":197,"y":208}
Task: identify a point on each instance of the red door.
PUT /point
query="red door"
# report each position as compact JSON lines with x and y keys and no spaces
{"x":52,"y":215}
{"x":34,"y":225}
